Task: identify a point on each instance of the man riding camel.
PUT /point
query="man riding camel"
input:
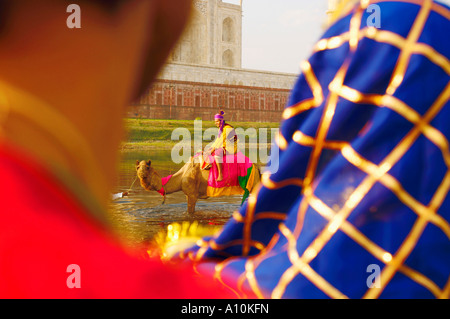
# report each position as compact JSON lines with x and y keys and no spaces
{"x":225,"y":143}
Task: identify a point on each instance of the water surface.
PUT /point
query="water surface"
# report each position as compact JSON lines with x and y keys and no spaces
{"x":141,"y":215}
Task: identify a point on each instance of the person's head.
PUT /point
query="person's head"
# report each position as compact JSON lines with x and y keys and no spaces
{"x":85,"y":75}
{"x":133,"y":36}
{"x":219,"y":119}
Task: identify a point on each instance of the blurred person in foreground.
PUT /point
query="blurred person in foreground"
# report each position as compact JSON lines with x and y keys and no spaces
{"x":63,"y":94}
{"x":360,"y":206}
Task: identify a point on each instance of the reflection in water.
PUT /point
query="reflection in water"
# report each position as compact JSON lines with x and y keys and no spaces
{"x":141,"y":216}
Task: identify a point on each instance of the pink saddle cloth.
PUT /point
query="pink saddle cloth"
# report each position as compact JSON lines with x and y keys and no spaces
{"x":238,"y":174}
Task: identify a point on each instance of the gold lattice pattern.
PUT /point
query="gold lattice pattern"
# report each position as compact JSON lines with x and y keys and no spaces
{"x":337,"y":220}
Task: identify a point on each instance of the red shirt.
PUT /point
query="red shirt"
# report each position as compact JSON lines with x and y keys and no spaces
{"x":44,"y":230}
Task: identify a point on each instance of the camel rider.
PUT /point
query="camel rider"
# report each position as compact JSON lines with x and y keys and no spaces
{"x":225,"y":143}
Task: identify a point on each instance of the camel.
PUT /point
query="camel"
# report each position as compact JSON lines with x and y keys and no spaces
{"x":190,"y":179}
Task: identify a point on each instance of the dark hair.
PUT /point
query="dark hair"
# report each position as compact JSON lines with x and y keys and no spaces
{"x":4,"y":7}
{"x":108,"y":5}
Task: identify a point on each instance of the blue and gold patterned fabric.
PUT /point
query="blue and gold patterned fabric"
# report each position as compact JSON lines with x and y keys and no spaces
{"x":360,"y":205}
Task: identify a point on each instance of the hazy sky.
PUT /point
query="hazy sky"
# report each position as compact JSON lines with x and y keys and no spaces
{"x":278,"y":34}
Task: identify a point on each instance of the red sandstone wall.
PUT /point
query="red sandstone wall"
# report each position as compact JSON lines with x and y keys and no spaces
{"x":188,"y":100}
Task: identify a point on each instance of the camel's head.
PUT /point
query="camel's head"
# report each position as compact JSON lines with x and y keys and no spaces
{"x":150,"y":180}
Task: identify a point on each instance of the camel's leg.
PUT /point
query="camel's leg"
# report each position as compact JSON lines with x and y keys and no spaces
{"x":190,"y":185}
{"x":192,"y":201}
